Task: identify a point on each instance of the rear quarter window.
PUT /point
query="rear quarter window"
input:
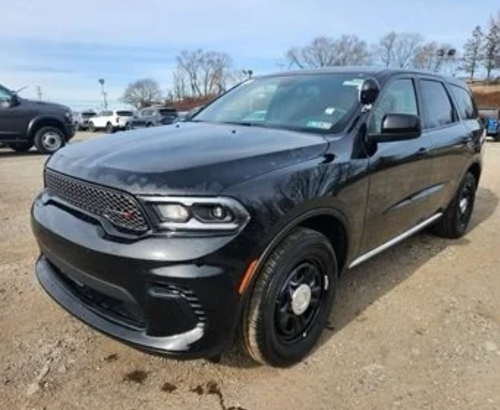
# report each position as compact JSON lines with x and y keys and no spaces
{"x":124,"y":113}
{"x":465,"y":104}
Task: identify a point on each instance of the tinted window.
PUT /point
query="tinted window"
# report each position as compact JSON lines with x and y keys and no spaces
{"x":146,"y":113}
{"x":464,"y":103}
{"x":4,"y":94}
{"x":125,"y":113}
{"x":168,"y":111}
{"x":438,"y":108}
{"x":398,"y":98}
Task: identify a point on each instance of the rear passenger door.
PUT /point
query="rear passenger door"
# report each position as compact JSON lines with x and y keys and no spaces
{"x":400,"y":171}
{"x":450,"y":120}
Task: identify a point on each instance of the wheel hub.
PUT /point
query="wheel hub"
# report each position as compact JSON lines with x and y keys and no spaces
{"x":464,"y":203}
{"x":301,"y":299}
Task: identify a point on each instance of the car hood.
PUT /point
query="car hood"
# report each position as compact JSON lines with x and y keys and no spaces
{"x":187,"y":158}
{"x":46,"y":105}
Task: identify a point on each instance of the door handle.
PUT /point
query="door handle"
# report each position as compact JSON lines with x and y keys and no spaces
{"x":422,"y":152}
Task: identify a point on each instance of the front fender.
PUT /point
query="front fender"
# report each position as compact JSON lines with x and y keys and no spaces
{"x":36,"y":121}
{"x":281,"y":200}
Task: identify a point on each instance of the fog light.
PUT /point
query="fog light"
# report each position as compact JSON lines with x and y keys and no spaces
{"x":173,"y":212}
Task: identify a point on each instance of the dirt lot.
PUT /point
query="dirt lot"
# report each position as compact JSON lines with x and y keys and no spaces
{"x":415,"y":328}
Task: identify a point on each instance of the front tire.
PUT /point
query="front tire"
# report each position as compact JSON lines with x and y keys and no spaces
{"x":49,"y":139}
{"x":453,"y":224}
{"x":292,"y":299}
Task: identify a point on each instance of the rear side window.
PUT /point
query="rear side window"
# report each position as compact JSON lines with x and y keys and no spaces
{"x":464,"y":102}
{"x":124,"y":113}
{"x":438,"y":108}
{"x":398,"y":98}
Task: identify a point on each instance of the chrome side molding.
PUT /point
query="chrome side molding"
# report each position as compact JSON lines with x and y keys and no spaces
{"x":395,"y":240}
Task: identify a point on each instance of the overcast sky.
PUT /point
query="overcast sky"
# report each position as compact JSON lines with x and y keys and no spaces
{"x":64,"y":46}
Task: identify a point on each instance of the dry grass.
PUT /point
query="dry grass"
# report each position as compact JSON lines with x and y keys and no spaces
{"x":487,"y":95}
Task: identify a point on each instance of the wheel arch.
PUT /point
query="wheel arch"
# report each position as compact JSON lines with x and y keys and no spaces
{"x":475,"y":169}
{"x":328,"y":221}
{"x":45,"y":121}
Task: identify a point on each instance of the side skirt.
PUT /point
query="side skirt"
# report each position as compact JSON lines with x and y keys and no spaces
{"x":394,"y":241}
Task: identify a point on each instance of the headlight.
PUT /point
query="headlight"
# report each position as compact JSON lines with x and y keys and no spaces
{"x":69,"y":115}
{"x":219,"y":214}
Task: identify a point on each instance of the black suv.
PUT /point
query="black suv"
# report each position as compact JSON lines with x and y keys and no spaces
{"x":24,"y":123}
{"x":242,"y":219}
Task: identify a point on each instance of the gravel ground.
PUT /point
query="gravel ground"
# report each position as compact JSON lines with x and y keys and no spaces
{"x":415,"y":328}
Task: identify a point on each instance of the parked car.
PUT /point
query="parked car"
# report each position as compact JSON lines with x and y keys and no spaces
{"x":490,"y":118}
{"x":181,"y":236}
{"x":81,"y":119}
{"x":111,"y":121}
{"x":152,"y":117}
{"x":24,"y":123}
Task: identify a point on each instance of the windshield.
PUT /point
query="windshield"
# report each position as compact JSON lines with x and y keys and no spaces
{"x":320,"y":103}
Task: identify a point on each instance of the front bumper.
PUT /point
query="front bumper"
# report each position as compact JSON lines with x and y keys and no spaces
{"x":185,"y":304}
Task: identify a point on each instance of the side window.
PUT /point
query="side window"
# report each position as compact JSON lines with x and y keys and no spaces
{"x":4,"y":95}
{"x":465,"y":104}
{"x":398,"y":98}
{"x":438,"y":108}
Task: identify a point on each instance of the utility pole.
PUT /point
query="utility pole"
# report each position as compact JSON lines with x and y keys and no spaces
{"x":104,"y":94}
{"x":39,"y":92}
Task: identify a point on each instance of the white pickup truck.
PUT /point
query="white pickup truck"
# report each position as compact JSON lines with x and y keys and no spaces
{"x":111,"y":121}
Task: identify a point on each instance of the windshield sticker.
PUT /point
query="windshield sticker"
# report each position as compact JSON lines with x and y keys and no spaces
{"x":322,"y":125}
{"x":330,"y":110}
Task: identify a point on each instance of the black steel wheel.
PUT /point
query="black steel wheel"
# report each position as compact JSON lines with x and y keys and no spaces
{"x":291,"y":299}
{"x":455,"y":221}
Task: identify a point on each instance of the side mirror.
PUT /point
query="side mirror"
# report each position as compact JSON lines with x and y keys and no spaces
{"x":369,"y":91}
{"x":398,"y":127}
{"x":14,"y":101}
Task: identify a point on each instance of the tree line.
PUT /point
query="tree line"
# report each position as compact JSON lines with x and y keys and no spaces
{"x":200,"y":75}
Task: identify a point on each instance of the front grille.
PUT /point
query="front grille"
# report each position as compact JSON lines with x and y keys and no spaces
{"x":121,"y":209}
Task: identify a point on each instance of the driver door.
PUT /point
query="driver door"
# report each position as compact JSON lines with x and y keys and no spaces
{"x":400,"y":189}
{"x":11,"y":117}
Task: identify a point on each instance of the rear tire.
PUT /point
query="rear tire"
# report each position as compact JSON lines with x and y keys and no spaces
{"x":496,"y":138}
{"x":292,"y":299}
{"x":21,"y":146}
{"x":49,"y":140}
{"x":109,"y":128}
{"x":453,"y":224}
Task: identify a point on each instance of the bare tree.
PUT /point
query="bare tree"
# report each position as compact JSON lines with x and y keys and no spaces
{"x":142,"y":93}
{"x":426,"y":57}
{"x":384,"y":50}
{"x":327,"y":52}
{"x":201,"y":73}
{"x":472,"y":52}
{"x":491,"y":48}
{"x":405,"y":48}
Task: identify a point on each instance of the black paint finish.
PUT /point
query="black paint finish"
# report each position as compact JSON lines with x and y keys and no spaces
{"x":283,"y":178}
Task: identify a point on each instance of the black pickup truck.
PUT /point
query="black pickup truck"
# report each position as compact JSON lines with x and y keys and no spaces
{"x":24,"y":123}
